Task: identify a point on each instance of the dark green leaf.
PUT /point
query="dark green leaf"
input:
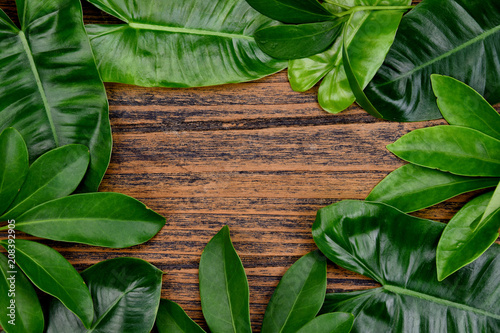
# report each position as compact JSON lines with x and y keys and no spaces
{"x":28,"y":313}
{"x":51,"y":90}
{"x":462,"y":106}
{"x":126,"y":294}
{"x":338,"y":322}
{"x":13,"y":166}
{"x":411,"y":187}
{"x":172,"y":319}
{"x":298,"y":297}
{"x":181,"y":43}
{"x":51,"y":273}
{"x":101,"y":219}
{"x":53,"y":175}
{"x":460,"y":38}
{"x":399,"y":252}
{"x":459,"y":150}
{"x":292,"y":11}
{"x":298,"y":41}
{"x":224,"y":286}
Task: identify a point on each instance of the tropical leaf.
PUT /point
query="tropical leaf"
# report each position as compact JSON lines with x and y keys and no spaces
{"x":180,"y":43}
{"x":51,"y":90}
{"x":171,"y":318}
{"x":399,"y":252}
{"x":337,"y":322}
{"x":460,"y":38}
{"x":292,"y":11}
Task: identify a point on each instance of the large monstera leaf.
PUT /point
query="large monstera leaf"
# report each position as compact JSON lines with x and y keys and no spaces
{"x":399,"y":252}
{"x":50,"y":87}
{"x":180,"y":43}
{"x":459,"y":38}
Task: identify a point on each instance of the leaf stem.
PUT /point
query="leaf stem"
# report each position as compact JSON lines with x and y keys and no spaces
{"x":372,"y":8}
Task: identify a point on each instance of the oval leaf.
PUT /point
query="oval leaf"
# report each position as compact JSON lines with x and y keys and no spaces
{"x":53,"y":175}
{"x":412,"y":187}
{"x":51,"y":90}
{"x":224,"y":286}
{"x":338,"y":322}
{"x":126,"y":294}
{"x":399,"y":252}
{"x":292,"y":11}
{"x":14,"y":166}
{"x":298,"y":297}
{"x":464,"y":43}
{"x":101,"y":219}
{"x":171,"y":318}
{"x":180,"y":43}
{"x":459,"y":150}
{"x":51,"y":273}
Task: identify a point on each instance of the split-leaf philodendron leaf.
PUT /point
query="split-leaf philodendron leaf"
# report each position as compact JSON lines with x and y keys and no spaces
{"x":50,"y":88}
{"x":399,"y":252}
{"x":180,"y":43}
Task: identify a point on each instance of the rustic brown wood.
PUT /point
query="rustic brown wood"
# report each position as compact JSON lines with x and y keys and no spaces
{"x":255,"y":156}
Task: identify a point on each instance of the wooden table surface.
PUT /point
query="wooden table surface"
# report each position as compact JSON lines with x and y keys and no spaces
{"x":255,"y":156}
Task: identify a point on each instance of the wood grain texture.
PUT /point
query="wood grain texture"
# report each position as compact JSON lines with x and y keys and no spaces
{"x":255,"y":156}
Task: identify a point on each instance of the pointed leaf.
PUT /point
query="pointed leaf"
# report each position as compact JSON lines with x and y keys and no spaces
{"x":338,"y":322}
{"x":412,"y":187}
{"x":171,"y":318}
{"x":180,"y":43}
{"x":460,"y":38}
{"x":399,"y":252}
{"x":224,"y":286}
{"x":53,"y":175}
{"x":27,"y":315}
{"x":126,"y":294}
{"x":101,"y":219}
{"x":51,"y":273}
{"x":298,"y":297}
{"x":459,"y":150}
{"x":292,"y":11}
{"x":13,"y":166}
{"x":51,"y":90}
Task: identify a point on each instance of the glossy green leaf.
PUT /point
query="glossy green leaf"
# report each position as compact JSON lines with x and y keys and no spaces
{"x":298,"y":41}
{"x":298,"y":297}
{"x":101,"y":219}
{"x":459,"y":150}
{"x":53,"y":175}
{"x":224,"y":286}
{"x":14,"y":166}
{"x":51,"y":90}
{"x":180,"y":43}
{"x":412,"y":187}
{"x":126,"y":294}
{"x":337,"y":322}
{"x":51,"y":273}
{"x":460,"y":38}
{"x":28,"y":315}
{"x":171,"y":318}
{"x":292,"y":11}
{"x":462,"y":106}
{"x":399,"y":252}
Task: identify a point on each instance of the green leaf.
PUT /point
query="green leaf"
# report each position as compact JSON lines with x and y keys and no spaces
{"x":460,"y":38}
{"x":412,"y":187}
{"x":459,"y":150}
{"x":298,"y":41}
{"x":224,"y":286}
{"x":101,"y":219}
{"x":51,"y":90}
{"x":180,"y":43}
{"x":171,"y":318}
{"x":462,"y":106}
{"x":292,"y":11}
{"x":28,"y":315}
{"x":53,"y":175}
{"x":399,"y":252}
{"x":298,"y":297}
{"x":14,"y":166}
{"x":338,"y":322}
{"x":51,"y":273}
{"x":126,"y":294}
{"x":469,"y":234}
